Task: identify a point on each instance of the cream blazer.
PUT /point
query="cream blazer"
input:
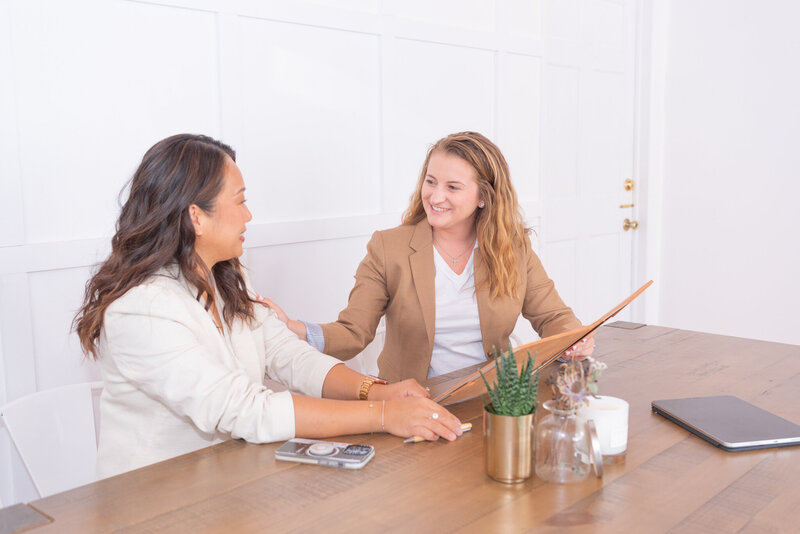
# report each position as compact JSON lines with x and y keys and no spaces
{"x":396,"y":279}
{"x":173,"y":384}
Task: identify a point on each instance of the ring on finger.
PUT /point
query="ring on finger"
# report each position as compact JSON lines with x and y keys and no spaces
{"x":435,"y":416}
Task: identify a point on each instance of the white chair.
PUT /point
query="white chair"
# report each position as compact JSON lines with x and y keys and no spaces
{"x":54,"y":433}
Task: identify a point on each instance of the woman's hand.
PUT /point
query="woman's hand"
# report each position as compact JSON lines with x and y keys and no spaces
{"x":583,"y":349}
{"x":297,"y":327}
{"x":416,"y":416}
{"x":274,"y":307}
{"x":398,"y":390}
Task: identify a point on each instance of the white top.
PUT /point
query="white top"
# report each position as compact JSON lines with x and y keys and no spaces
{"x":173,"y":384}
{"x":457,"y":340}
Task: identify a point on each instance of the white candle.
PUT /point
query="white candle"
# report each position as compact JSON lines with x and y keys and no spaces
{"x":610,"y":416}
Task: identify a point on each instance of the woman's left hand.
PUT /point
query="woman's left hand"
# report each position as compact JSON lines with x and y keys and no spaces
{"x":581,"y":350}
{"x":398,"y":390}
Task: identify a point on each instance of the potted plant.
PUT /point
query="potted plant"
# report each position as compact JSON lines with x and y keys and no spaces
{"x":508,"y":418}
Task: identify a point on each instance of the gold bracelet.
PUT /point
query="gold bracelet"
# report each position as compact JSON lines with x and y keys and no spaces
{"x":366,"y":384}
{"x":383,"y":411}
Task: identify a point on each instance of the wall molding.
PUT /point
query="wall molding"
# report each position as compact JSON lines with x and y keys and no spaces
{"x":378,"y":22}
{"x":57,"y":255}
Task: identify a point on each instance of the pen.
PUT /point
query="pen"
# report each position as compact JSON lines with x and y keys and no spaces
{"x":416,"y":439}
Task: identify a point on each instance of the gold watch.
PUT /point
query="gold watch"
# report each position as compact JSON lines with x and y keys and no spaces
{"x":366,"y":384}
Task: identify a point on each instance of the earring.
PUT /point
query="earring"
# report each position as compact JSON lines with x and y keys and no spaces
{"x":481,"y":204}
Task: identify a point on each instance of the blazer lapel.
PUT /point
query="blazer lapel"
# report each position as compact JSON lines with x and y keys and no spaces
{"x":242,"y":352}
{"x":422,"y":271}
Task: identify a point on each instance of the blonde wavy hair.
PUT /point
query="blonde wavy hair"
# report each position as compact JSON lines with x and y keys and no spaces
{"x":499,"y":224}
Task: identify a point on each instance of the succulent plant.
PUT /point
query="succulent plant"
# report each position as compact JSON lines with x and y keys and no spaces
{"x":512,"y":393}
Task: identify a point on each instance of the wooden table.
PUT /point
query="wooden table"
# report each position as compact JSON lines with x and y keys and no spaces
{"x":670,"y":480}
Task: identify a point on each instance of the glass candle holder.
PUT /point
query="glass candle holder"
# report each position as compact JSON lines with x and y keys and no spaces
{"x":561,"y":446}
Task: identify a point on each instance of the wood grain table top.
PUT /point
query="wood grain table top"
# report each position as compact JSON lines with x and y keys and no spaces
{"x":669,"y":481}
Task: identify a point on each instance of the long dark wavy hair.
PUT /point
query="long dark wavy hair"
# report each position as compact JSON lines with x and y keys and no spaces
{"x":154,"y":230}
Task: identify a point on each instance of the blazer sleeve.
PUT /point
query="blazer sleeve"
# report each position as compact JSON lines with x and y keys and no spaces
{"x":543,"y":306}
{"x":355,"y":327}
{"x":291,"y":361}
{"x":153,"y":340}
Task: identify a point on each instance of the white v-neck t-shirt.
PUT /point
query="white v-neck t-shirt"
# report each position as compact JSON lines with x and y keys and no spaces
{"x":457,"y":340}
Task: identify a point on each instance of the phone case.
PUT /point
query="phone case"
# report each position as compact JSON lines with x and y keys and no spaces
{"x":328,"y":453}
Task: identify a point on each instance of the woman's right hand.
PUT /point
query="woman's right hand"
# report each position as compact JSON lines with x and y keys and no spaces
{"x":297,"y":327}
{"x":274,"y":307}
{"x":414,"y":416}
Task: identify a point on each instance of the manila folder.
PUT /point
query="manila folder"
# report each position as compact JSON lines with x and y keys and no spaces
{"x":546,"y":350}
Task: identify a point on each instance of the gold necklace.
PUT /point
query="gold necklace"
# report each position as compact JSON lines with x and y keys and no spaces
{"x":453,"y":259}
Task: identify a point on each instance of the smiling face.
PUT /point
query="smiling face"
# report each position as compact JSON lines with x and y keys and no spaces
{"x":450,"y":193}
{"x":219,"y":233}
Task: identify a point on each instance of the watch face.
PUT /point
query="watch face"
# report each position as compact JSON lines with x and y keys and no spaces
{"x":357,"y":450}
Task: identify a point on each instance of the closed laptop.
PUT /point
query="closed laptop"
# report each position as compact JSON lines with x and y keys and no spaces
{"x":729,"y":422}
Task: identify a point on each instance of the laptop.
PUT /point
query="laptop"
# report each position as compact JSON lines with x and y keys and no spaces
{"x":729,"y":422}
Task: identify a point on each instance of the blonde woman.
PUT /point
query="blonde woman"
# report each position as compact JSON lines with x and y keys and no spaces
{"x":453,"y":278}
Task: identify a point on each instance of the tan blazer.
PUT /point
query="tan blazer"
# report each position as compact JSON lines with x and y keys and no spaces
{"x":396,"y":278}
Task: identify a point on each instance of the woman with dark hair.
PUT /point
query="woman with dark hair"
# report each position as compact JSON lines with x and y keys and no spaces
{"x":183,"y":348}
{"x":453,"y":278}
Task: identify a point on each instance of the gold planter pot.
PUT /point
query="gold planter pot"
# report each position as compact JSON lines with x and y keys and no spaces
{"x":508,"y":445}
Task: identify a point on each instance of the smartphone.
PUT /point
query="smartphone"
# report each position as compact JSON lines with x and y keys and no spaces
{"x":330,"y":453}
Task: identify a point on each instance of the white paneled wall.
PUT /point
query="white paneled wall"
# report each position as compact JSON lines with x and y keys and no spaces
{"x":435,"y":89}
{"x":518,"y":118}
{"x":311,"y":126}
{"x":330,"y":104}
{"x":96,"y":83}
{"x":731,"y":124}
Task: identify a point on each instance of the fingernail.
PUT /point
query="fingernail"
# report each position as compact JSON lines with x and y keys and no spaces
{"x":567,"y":353}
{"x":452,"y":436}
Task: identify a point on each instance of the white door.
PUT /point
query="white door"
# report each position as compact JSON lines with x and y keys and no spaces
{"x":587,"y":151}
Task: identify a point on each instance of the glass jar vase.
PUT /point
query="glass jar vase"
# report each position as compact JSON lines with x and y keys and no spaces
{"x":561,"y":445}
